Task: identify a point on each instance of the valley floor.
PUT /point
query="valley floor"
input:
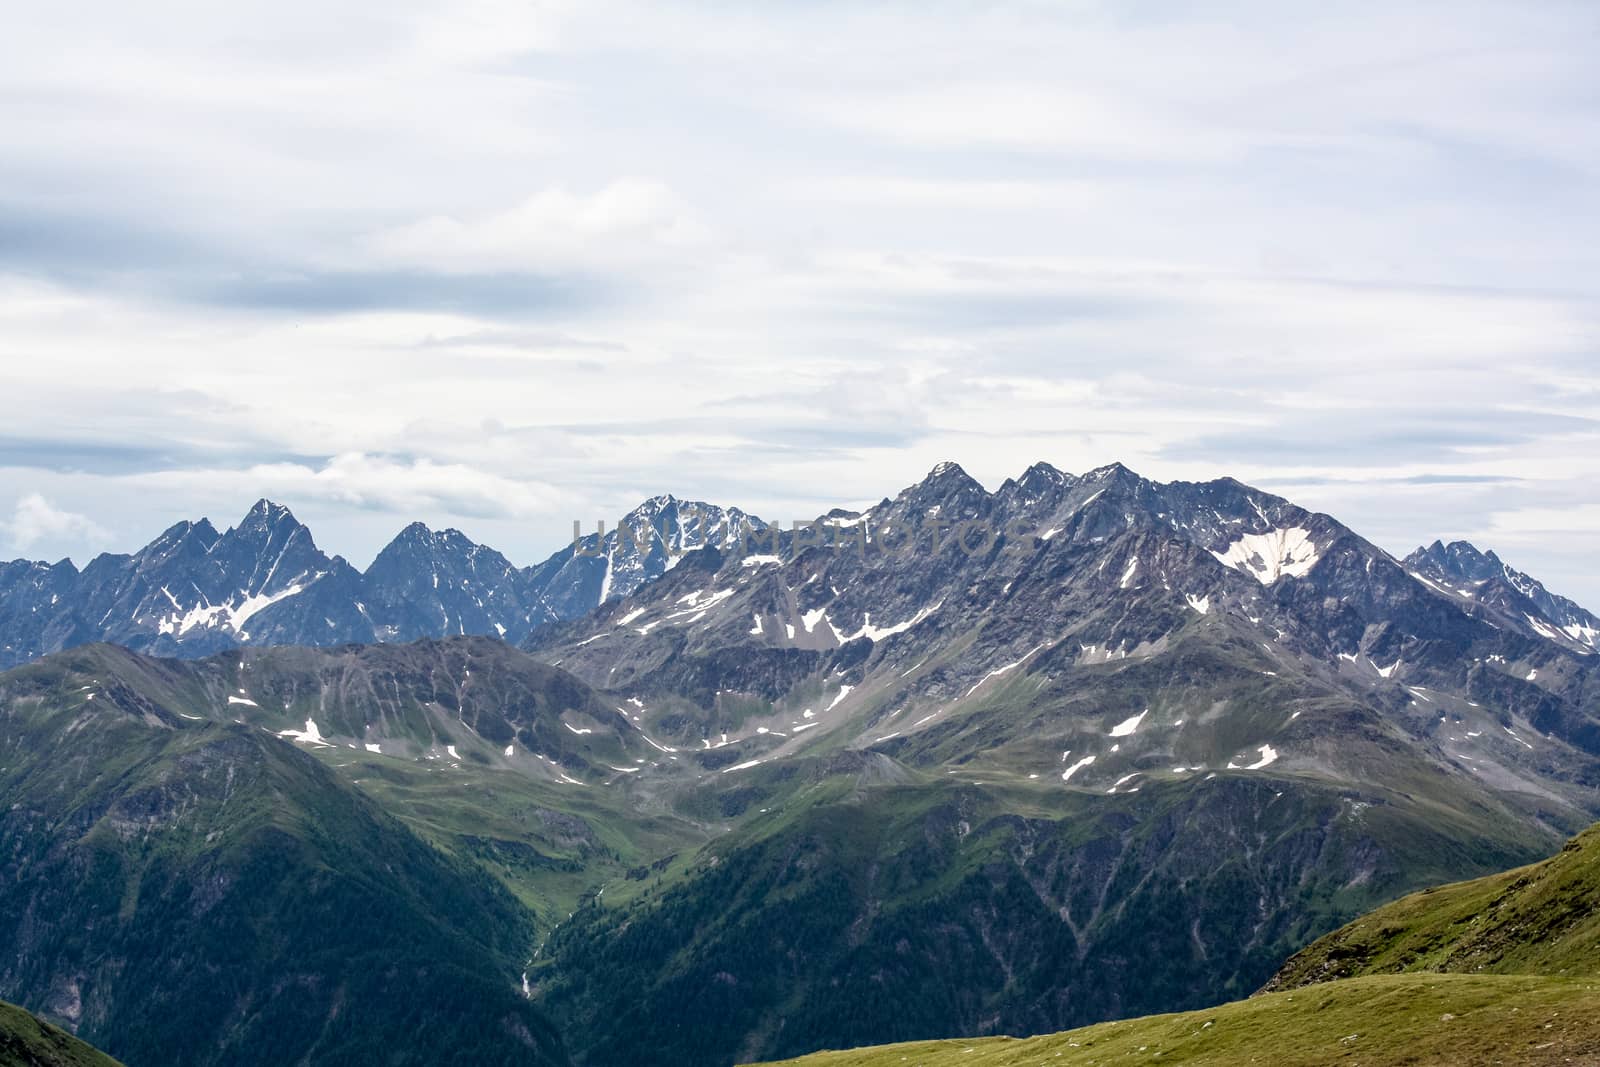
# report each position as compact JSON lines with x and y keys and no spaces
{"x":1420,"y":1020}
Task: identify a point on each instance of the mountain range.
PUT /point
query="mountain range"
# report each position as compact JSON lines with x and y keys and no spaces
{"x":1121,"y":757}
{"x":962,"y":763}
{"x":1113,"y":578}
{"x":194,"y":591}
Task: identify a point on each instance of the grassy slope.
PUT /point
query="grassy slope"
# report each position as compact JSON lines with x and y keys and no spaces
{"x":1417,"y":1020}
{"x":1503,"y":969}
{"x":1542,"y":919}
{"x":26,"y":1041}
{"x":551,"y":845}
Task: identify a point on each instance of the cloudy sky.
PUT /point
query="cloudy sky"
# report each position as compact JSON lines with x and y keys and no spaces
{"x":499,"y":264}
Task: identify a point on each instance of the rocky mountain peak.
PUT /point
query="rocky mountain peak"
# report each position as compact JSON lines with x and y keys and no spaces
{"x":269,"y":513}
{"x":948,"y":488}
{"x":1111,"y":472}
{"x":416,"y":531}
{"x":1457,"y":559}
{"x":193,"y":591}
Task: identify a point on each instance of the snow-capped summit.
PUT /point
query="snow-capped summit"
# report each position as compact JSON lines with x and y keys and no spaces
{"x":1144,"y":554}
{"x":194,"y":591}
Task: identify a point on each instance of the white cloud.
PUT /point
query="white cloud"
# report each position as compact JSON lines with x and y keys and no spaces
{"x":1533,"y":524}
{"x":37,"y":521}
{"x":521,"y":262}
{"x":1031,"y":116}
{"x":412,"y":487}
{"x":618,"y":224}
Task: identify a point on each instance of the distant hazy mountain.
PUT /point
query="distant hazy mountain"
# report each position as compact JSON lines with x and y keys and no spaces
{"x":193,"y":591}
{"x":1479,"y":578}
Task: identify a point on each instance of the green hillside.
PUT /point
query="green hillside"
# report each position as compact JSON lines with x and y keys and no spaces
{"x":27,"y":1041}
{"x":1542,"y":919}
{"x":453,"y":820}
{"x":193,"y":892}
{"x":423,"y":730}
{"x":1383,"y":1021}
{"x":887,"y":904}
{"x":1502,"y":969}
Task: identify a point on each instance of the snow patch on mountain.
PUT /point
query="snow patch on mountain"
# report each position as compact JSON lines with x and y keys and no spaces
{"x":231,"y":615}
{"x":1268,"y":756}
{"x":1542,"y":628}
{"x":811,"y":618}
{"x":1066,"y":775}
{"x":309,"y":736}
{"x":1584,"y":635}
{"x":712,"y":598}
{"x":1266,"y":557}
{"x":1003,"y":670}
{"x":1128,"y":726}
{"x":878,"y":633}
